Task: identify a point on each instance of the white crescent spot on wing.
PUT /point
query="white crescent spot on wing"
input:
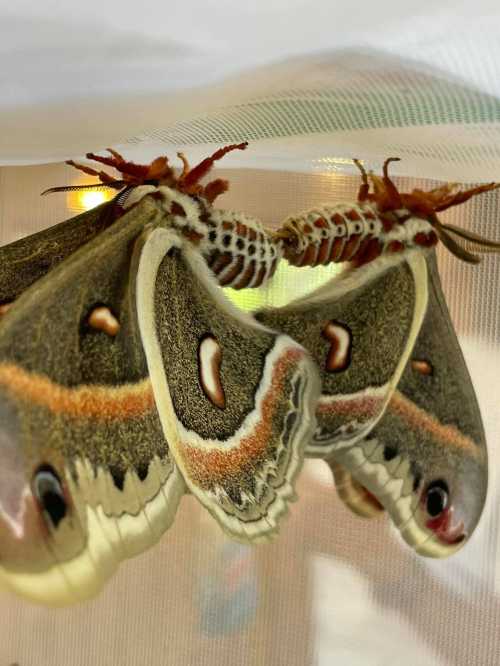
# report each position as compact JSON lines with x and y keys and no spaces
{"x":102,"y":319}
{"x":209,"y":360}
{"x":340,"y":340}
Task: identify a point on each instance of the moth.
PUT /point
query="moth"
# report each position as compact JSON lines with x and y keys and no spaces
{"x":128,"y":379}
{"x":397,"y":420}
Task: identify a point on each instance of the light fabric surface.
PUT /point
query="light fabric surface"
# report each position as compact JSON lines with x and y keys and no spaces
{"x":333,"y":81}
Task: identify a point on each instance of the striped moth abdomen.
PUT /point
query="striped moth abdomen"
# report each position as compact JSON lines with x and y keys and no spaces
{"x":384,"y":221}
{"x":242,"y":253}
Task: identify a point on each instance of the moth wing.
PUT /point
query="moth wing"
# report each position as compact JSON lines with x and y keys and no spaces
{"x":426,"y":461}
{"x":353,"y":494}
{"x":87,"y":477}
{"x":236,"y":400}
{"x":24,"y":261}
{"x":360,"y":329}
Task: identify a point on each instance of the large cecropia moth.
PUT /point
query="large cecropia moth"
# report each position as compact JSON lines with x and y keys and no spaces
{"x":399,"y":418}
{"x":127,"y":378}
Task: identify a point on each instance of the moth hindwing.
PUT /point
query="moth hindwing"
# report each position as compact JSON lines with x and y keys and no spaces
{"x":426,"y":461}
{"x":125,"y":378}
{"x":235,"y":399}
{"x":398,"y":420}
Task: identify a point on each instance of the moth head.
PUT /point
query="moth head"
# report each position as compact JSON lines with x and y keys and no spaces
{"x":449,"y":492}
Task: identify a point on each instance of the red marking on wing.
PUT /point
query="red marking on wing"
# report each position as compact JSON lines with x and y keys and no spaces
{"x":444,"y":530}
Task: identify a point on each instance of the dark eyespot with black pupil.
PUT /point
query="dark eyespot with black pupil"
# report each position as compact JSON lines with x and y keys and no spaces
{"x":226,"y":240}
{"x":390,"y":452}
{"x":142,"y":471}
{"x":47,"y":489}
{"x":240,"y":244}
{"x":251,"y":249}
{"x":436,"y":498}
{"x":212,"y":236}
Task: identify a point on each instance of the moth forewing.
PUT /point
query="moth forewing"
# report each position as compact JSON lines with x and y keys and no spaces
{"x":87,"y":425}
{"x":239,"y":456}
{"x":426,"y":460}
{"x":25,"y":261}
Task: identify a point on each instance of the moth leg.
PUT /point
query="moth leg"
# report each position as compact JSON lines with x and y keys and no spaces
{"x":391,"y":189}
{"x":385,"y":193}
{"x":116,"y":155}
{"x":364,"y":188}
{"x":461,"y":197}
{"x":102,"y":175}
{"x":194,"y":175}
{"x":185,"y":165}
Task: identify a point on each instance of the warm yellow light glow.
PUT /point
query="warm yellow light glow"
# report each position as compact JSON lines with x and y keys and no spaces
{"x":91,"y":198}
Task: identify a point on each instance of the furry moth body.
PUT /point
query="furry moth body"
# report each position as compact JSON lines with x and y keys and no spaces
{"x":154,"y":384}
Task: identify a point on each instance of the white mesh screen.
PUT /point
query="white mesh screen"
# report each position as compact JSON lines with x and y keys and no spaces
{"x":333,"y":588}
